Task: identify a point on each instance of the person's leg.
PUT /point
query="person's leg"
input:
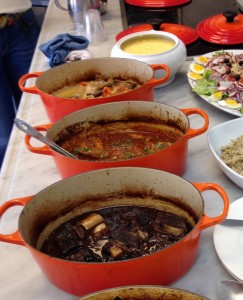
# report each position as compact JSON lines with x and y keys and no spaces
{"x":6,"y":111}
{"x":22,"y":39}
{"x":17,"y":45}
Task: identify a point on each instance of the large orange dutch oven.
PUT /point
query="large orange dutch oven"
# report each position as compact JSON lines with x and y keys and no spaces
{"x":78,"y":71}
{"x":172,"y":159}
{"x":92,"y":190}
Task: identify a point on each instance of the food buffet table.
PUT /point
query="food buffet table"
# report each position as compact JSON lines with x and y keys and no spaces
{"x":24,"y":173}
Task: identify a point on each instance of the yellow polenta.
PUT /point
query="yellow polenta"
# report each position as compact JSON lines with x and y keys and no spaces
{"x":150,"y":44}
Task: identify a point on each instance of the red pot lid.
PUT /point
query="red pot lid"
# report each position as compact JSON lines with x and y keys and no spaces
{"x":157,"y":3}
{"x":186,"y":34}
{"x":130,"y":30}
{"x":222,"y":29}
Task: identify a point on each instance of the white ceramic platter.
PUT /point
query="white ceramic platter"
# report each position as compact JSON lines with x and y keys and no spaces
{"x":228,"y":242}
{"x":213,"y":103}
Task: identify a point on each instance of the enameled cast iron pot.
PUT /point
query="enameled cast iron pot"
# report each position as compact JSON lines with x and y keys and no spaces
{"x":88,"y":191}
{"x":77,"y":71}
{"x":143,"y":292}
{"x":172,"y":159}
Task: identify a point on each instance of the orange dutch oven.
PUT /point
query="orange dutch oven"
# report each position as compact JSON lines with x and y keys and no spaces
{"x":171,"y":159}
{"x":78,"y":71}
{"x":75,"y":195}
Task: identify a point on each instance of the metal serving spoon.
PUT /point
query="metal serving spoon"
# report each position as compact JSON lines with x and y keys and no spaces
{"x":230,"y":290}
{"x":27,"y":128}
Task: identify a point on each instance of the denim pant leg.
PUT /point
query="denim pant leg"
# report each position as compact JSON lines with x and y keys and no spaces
{"x":7,"y":112}
{"x":17,"y":45}
{"x":21,"y":39}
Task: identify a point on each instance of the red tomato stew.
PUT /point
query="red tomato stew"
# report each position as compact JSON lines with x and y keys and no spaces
{"x":120,"y":140}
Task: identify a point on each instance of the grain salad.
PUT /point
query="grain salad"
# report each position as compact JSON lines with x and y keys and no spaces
{"x":232,"y":154}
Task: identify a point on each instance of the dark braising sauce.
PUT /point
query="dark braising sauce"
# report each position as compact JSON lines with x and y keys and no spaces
{"x":115,"y":233}
{"x":121,"y":140}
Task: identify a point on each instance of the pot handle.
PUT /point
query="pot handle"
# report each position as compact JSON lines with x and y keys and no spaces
{"x":153,"y":82}
{"x":40,"y":150}
{"x":13,"y":238}
{"x":210,"y":221}
{"x":22,"y":80}
{"x":195,"y":132}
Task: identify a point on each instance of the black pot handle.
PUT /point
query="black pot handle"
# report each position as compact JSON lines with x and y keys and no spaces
{"x":154,"y":22}
{"x":230,"y":15}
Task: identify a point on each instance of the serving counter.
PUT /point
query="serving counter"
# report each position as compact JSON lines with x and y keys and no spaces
{"x":24,"y":173}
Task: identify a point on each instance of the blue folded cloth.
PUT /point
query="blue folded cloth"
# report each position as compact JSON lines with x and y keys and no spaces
{"x":58,"y":48}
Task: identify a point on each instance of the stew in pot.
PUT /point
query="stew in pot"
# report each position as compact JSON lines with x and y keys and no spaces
{"x":120,"y":140}
{"x":97,"y":88}
{"x":115,"y":233}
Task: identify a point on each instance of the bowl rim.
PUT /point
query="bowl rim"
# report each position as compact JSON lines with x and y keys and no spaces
{"x":213,"y":148}
{"x":146,"y":33}
{"x":143,"y":287}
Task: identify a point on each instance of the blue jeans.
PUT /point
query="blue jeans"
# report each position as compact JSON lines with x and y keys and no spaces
{"x":17,"y":45}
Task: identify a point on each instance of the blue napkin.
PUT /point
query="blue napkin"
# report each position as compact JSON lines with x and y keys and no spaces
{"x":58,"y":48}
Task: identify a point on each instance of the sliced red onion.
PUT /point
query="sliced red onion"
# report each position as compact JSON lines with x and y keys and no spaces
{"x":232,"y":94}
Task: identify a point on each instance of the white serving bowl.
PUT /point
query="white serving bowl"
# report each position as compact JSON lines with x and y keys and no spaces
{"x":173,"y":58}
{"x":222,"y":135}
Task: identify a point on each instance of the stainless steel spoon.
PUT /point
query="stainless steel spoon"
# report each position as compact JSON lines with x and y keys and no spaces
{"x":230,"y":290}
{"x":27,"y":128}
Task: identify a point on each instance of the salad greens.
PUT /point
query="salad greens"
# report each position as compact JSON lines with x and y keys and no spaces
{"x":205,"y":87}
{"x":207,"y":73}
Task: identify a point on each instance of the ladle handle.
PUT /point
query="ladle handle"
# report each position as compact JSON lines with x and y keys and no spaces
{"x":27,"y":128}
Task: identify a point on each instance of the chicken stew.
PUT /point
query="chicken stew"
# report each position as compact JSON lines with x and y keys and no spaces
{"x":98,"y":87}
